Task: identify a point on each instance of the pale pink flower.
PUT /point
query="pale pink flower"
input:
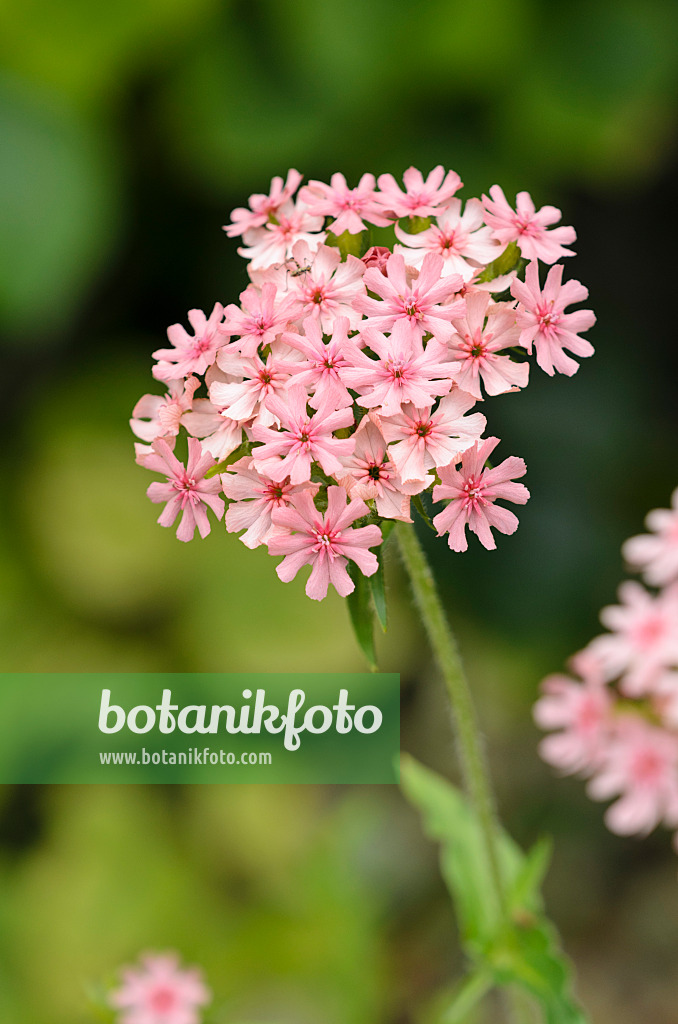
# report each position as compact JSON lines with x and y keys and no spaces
{"x":160,"y":992}
{"x":160,"y":415}
{"x":253,"y":499}
{"x":320,"y":371}
{"x":462,"y":239}
{"x":657,"y":553}
{"x":411,"y":303}
{"x":543,"y":321}
{"x":641,"y":766}
{"x":527,"y":226}
{"x":324,"y":288}
{"x":326,"y":542}
{"x":242,"y":400}
{"x":370,"y":475}
{"x":404,"y":371}
{"x":581,"y":711}
{"x":263,"y":207}
{"x":643,"y":641}
{"x":275,"y":241}
{"x":186,"y":490}
{"x":473,"y":490}
{"x":477,"y":345}
{"x":347,"y":205}
{"x":420,"y":439}
{"x":302,"y":440}
{"x":421,"y":198}
{"x":262,"y":317}
{"x":191,"y":353}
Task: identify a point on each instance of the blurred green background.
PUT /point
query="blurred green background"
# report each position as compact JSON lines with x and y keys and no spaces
{"x":129,"y":129}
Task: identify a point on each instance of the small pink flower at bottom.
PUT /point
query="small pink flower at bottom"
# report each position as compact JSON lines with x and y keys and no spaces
{"x":325,"y":542}
{"x":160,"y":992}
{"x":186,"y":489}
{"x":473,"y":491}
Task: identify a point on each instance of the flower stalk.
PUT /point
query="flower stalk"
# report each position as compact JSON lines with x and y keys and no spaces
{"x":469,"y":739}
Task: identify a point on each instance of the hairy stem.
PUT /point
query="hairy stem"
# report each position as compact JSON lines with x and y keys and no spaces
{"x":469,"y":740}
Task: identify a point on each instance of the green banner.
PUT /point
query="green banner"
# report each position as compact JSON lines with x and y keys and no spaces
{"x":124,"y":728}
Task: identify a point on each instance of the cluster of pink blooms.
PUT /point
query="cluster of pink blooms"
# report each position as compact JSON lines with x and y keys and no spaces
{"x":342,"y":383}
{"x":159,"y":991}
{"x":617,"y":723}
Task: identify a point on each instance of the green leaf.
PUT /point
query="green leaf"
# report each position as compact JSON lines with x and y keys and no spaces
{"x":504,"y":264}
{"x":376,"y":583}
{"x":348,"y":244}
{"x":523,"y":951}
{"x":419,"y":505}
{"x":243,"y":449}
{"x":449,"y":819}
{"x":361,"y":612}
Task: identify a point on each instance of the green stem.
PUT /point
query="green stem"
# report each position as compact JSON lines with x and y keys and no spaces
{"x":469,"y":741}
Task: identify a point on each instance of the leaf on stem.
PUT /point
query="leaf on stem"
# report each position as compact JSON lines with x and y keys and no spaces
{"x":523,"y":951}
{"x":361,"y":612}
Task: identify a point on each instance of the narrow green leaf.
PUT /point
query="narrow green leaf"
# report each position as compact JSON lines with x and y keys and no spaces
{"x":419,"y":505}
{"x":361,"y":612}
{"x":379,"y":594}
{"x":244,"y":449}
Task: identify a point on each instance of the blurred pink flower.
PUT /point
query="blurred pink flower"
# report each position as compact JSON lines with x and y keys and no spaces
{"x":160,"y":992}
{"x":657,"y":553}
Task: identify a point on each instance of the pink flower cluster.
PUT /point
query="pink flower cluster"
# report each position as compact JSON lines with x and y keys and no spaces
{"x":159,"y":991}
{"x":617,"y":723}
{"x":345,"y":381}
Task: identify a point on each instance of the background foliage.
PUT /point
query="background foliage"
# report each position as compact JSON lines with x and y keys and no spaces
{"x":130,"y":129}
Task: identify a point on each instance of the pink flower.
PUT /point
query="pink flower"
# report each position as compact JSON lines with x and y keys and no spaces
{"x":186,"y":490}
{"x":253,"y":500}
{"x":262,"y":380}
{"x":420,"y":439}
{"x":191,"y":353}
{"x":414,"y":304}
{"x":527,"y":226}
{"x":644,"y":638}
{"x":325,"y":288}
{"x":477,"y":345}
{"x":160,"y":415}
{"x":160,"y":992}
{"x":274,"y":242}
{"x":321,"y":370}
{"x":404,"y":371}
{"x":303,"y":440}
{"x":347,"y":205}
{"x":420,"y":198}
{"x":582,"y":713}
{"x":325,"y":542}
{"x":377,"y":256}
{"x":370,"y":475}
{"x":641,"y":765}
{"x":455,"y":236}
{"x":473,"y":491}
{"x":262,"y":317}
{"x":262,"y":207}
{"x":543,"y":321}
{"x":657,"y":553}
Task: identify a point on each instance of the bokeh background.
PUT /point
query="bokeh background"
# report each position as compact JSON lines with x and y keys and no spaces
{"x":129,"y":129}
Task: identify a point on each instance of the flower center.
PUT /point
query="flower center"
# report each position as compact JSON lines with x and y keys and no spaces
{"x":162,"y":1000}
